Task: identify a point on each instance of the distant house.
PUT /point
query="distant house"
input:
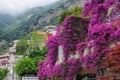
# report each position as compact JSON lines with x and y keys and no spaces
{"x":49,"y":29}
{"x":6,"y":59}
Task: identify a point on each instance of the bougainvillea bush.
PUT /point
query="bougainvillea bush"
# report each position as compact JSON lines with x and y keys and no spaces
{"x":89,"y":39}
{"x":102,"y":11}
{"x":73,"y":31}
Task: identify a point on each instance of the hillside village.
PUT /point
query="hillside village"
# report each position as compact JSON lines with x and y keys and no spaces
{"x":10,"y":58}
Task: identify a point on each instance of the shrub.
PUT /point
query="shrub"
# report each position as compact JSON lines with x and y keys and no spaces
{"x":3,"y":73}
{"x":26,"y":66}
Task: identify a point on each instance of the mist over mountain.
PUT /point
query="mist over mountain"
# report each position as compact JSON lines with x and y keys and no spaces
{"x":34,"y":19}
{"x":15,"y":7}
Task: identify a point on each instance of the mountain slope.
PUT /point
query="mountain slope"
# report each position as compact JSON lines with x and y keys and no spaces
{"x":37,"y":18}
{"x":5,"y":20}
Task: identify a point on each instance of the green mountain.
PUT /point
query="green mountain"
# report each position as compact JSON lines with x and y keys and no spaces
{"x":5,"y":20}
{"x":37,"y":18}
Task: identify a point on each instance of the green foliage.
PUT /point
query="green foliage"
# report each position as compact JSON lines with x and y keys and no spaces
{"x":37,"y":59}
{"x":4,"y":48}
{"x":29,"y":66}
{"x":21,"y":47}
{"x":37,"y":39}
{"x":3,"y":73}
{"x":35,"y":52}
{"x":38,"y":52}
{"x":44,"y":50}
{"x":26,"y":66}
{"x":76,"y":11}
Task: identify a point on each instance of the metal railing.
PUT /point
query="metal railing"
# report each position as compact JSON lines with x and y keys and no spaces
{"x":29,"y":78}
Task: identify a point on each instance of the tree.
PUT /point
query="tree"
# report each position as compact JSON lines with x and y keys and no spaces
{"x":3,"y":73}
{"x":38,"y":52}
{"x":76,"y":11}
{"x":112,"y":62}
{"x":26,"y":66}
{"x":37,"y":59}
{"x":34,"y":52}
{"x":21,"y":47}
{"x":44,"y":50}
{"x":29,"y":66}
{"x":37,"y":39}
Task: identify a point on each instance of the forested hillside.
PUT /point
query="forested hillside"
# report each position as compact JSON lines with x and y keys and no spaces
{"x":5,"y":20}
{"x":37,"y":18}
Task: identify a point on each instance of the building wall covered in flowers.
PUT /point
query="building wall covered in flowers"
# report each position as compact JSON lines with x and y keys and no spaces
{"x":91,"y":39}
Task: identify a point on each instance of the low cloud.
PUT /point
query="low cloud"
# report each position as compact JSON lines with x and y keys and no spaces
{"x":19,"y":6}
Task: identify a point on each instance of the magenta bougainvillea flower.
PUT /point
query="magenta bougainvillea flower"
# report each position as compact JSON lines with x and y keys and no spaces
{"x":92,"y":37}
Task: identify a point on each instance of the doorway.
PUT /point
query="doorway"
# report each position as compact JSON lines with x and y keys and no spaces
{"x":86,"y":77}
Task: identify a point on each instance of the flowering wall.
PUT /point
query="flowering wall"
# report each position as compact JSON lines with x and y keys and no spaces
{"x":93,"y":37}
{"x":73,"y":31}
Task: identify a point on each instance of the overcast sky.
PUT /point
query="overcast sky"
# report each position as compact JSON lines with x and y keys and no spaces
{"x":18,"y":6}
